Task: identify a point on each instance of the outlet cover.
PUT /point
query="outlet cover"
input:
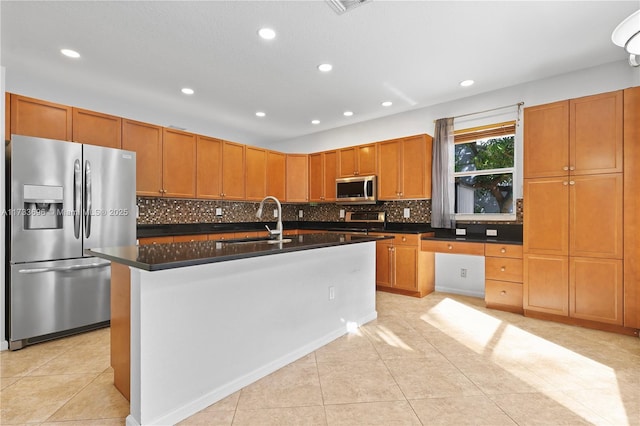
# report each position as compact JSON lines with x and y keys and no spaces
{"x":275,"y":212}
{"x":492,"y":232}
{"x":341,"y":213}
{"x":300,"y":213}
{"x":218,"y":211}
{"x":461,"y":231}
{"x":407,"y":212}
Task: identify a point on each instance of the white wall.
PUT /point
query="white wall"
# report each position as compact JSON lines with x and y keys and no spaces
{"x":3,"y":342}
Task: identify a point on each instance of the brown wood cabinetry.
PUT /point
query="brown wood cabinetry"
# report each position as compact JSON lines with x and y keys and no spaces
{"x":401,"y":265}
{"x":233,"y":180}
{"x":322,"y":176}
{"x":220,"y":169}
{"x":453,"y":247}
{"x":178,"y":164}
{"x":146,"y":141}
{"x":155,"y":240}
{"x":297,"y":178}
{"x":95,"y":128}
{"x":632,"y":207}
{"x":357,"y":160}
{"x":121,"y":327}
{"x":189,"y":238}
{"x":573,"y":198}
{"x":276,"y":174}
{"x":503,"y":277}
{"x":404,"y":168}
{"x":34,"y":117}
{"x":256,"y":173}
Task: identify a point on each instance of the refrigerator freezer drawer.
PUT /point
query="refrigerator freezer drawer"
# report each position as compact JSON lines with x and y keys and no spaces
{"x":52,"y":297}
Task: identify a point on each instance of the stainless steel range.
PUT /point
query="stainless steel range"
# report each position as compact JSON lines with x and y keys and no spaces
{"x":62,"y":198}
{"x":365,"y":221}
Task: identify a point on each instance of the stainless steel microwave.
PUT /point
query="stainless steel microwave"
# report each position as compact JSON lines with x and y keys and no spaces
{"x":356,"y":190}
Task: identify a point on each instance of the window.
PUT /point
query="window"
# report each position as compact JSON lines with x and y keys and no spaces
{"x":483,"y":172}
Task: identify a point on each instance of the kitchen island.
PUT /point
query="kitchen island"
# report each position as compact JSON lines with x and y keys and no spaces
{"x":209,"y":317}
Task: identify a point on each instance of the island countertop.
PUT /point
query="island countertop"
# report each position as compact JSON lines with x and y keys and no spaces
{"x":155,"y":257}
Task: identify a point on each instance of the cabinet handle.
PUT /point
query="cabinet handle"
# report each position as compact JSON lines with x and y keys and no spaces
{"x":565,"y":168}
{"x":565,"y":183}
{"x":503,"y":250}
{"x":160,"y":191}
{"x":404,"y":239}
{"x":503,"y":269}
{"x":572,"y":168}
{"x":450,"y":247}
{"x":502,"y":293}
{"x":572,"y":182}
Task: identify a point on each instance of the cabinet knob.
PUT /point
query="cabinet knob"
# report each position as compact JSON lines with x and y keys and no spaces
{"x":565,"y":183}
{"x":503,"y":250}
{"x":404,"y":239}
{"x":160,"y":191}
{"x":571,"y":182}
{"x":565,"y":168}
{"x":503,"y":269}
{"x":572,"y":168}
{"x":450,"y":247}
{"x":502,"y":293}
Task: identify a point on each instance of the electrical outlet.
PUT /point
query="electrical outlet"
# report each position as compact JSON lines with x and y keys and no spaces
{"x":341,"y":213}
{"x":461,"y":231}
{"x":492,"y":232}
{"x":275,"y":212}
{"x":407,"y":212}
{"x":218,"y":211}
{"x":332,"y":293}
{"x":463,"y":273}
{"x":300,"y":213}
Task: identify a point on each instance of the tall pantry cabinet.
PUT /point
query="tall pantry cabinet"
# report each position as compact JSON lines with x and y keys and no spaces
{"x":573,"y":204}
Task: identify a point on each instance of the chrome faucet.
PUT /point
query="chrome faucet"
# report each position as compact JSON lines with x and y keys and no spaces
{"x":272,"y":232}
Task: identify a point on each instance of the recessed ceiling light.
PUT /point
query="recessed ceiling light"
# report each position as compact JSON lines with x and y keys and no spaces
{"x":348,"y":113}
{"x":315,"y":121}
{"x":70,"y":53}
{"x":187,"y":91}
{"x":325,"y":67}
{"x":260,"y":114}
{"x":267,"y":33}
{"x":387,"y":103}
{"x":466,"y":83}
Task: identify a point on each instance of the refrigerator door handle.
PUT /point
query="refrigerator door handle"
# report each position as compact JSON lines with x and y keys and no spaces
{"x":87,"y":199}
{"x":77,"y":200}
{"x":64,"y":268}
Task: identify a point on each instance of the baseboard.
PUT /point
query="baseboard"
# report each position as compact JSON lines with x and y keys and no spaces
{"x":454,"y":290}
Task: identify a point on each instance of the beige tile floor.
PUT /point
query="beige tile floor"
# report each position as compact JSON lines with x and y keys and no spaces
{"x":441,"y":360}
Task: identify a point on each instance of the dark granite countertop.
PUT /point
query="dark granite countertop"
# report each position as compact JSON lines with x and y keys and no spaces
{"x":473,"y":239}
{"x":155,"y":257}
{"x":507,"y":234}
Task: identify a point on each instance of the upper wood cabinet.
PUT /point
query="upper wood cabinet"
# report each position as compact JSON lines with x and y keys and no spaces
{"x":276,"y":174}
{"x":34,"y":117}
{"x":220,"y":169}
{"x":574,"y":137}
{"x":95,"y":128}
{"x":178,"y":164}
{"x":404,"y":168}
{"x":256,"y":173}
{"x":322,"y":176}
{"x":146,"y":140}
{"x":297,"y":178}
{"x":357,"y":160}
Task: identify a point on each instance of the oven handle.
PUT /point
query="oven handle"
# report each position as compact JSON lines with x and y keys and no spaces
{"x":364,"y":191}
{"x":64,"y":268}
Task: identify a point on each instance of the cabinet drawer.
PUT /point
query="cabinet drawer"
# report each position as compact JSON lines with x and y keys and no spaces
{"x":503,"y":294}
{"x":453,"y":247}
{"x":154,"y":240}
{"x":503,"y":269}
{"x":221,"y":236}
{"x":406,"y":239}
{"x":188,"y":238}
{"x":503,"y":250}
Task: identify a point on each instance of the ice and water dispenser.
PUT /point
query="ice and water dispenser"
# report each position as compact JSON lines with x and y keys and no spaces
{"x":43,"y":207}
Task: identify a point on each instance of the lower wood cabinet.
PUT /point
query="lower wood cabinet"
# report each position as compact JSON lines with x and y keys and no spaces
{"x":596,"y":289}
{"x":155,"y":240}
{"x":402,"y":266}
{"x":189,"y":238}
{"x":503,"y":277}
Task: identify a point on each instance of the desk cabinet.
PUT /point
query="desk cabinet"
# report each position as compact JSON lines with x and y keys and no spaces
{"x":503,"y":277}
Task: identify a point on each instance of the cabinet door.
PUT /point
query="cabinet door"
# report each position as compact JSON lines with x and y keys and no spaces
{"x":146,"y":140}
{"x":366,"y":159}
{"x":276,"y":174}
{"x":595,"y":289}
{"x":596,"y":216}
{"x":316,"y":178}
{"x":95,"y":128}
{"x":389,"y":170}
{"x":179,"y":164}
{"x":233,"y":183}
{"x":406,"y":267}
{"x":256,"y":173}
{"x":208,"y":168}
{"x":416,"y":162}
{"x":33,"y":117}
{"x":297,"y":178}
{"x":347,"y":162}
{"x":546,"y":203}
{"x":384,"y":258}
{"x":545,"y":284}
{"x":330,"y":172}
{"x":596,"y":134}
{"x":546,"y":140}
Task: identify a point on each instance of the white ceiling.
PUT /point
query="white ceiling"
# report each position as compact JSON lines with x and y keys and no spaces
{"x":138,"y":55}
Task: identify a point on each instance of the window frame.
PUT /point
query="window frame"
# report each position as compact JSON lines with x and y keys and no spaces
{"x":469,"y":135}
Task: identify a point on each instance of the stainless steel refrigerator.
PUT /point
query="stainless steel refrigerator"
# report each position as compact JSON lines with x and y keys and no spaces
{"x":62,"y":198}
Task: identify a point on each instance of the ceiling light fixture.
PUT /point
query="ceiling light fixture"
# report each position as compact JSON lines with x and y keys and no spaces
{"x":260,"y":114}
{"x":315,"y":121}
{"x":70,"y":53}
{"x":325,"y":67}
{"x":627,"y":35}
{"x":347,"y":113}
{"x":466,"y":83}
{"x":267,"y":33}
{"x":187,"y":91}
{"x":387,"y":103}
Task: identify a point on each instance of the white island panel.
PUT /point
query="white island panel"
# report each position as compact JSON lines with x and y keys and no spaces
{"x":201,"y":333}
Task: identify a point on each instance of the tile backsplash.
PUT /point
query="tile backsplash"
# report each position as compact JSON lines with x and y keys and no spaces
{"x":153,"y":211}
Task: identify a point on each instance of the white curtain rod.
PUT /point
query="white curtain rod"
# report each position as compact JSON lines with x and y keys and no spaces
{"x":519,"y":104}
